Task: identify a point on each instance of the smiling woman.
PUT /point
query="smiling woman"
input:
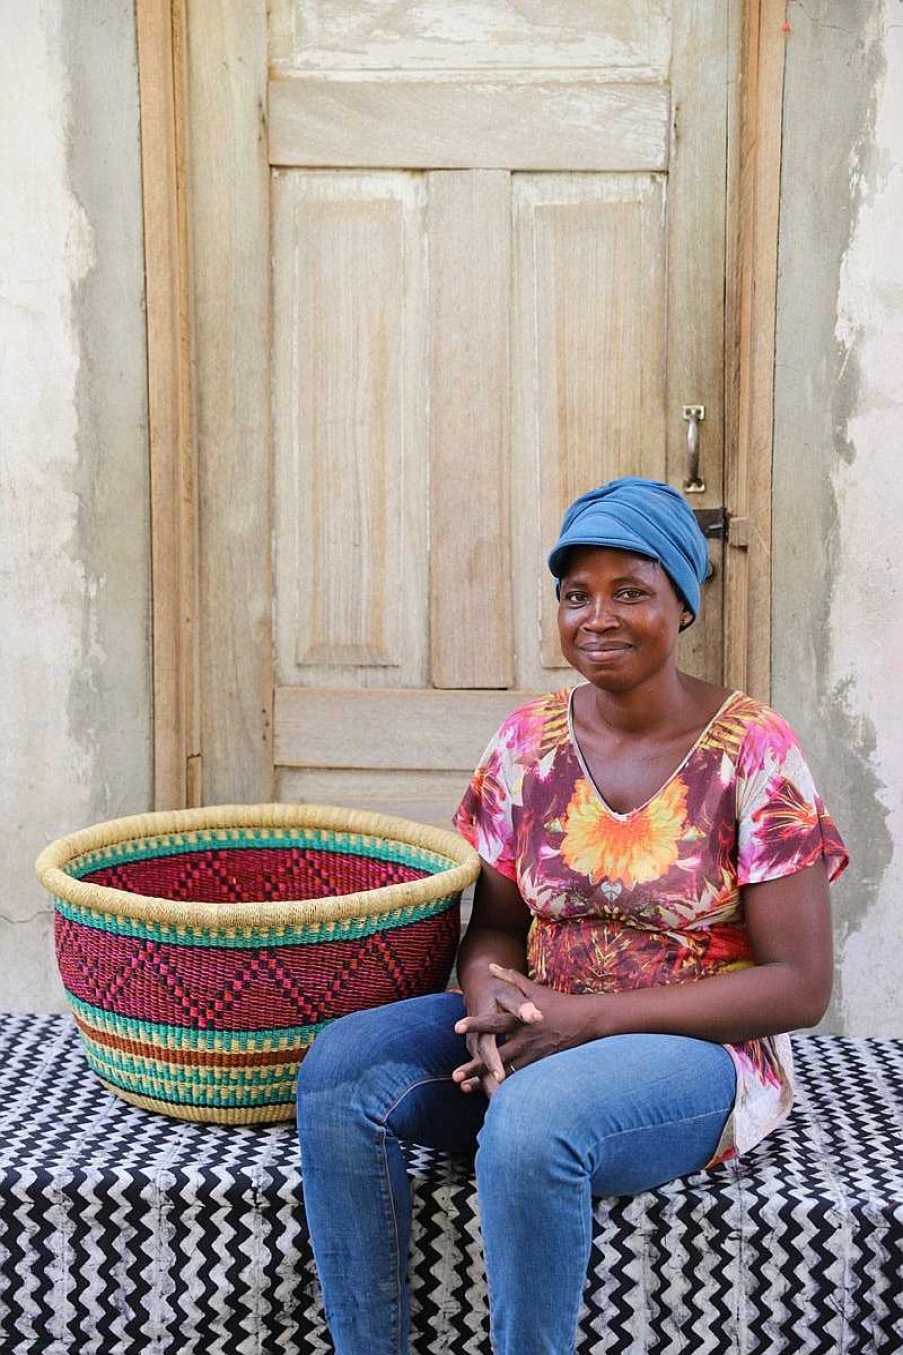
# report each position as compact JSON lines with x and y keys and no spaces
{"x":617,"y":612}
{"x":650,"y":920}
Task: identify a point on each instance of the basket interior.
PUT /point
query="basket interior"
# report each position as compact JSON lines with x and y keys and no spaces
{"x":202,"y":868}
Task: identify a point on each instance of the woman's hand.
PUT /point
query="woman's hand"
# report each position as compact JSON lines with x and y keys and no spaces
{"x":533,"y":1022}
{"x":495,"y":1010}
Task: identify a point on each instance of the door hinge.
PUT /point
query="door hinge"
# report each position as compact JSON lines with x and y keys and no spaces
{"x":713,"y":522}
{"x":718,"y":525}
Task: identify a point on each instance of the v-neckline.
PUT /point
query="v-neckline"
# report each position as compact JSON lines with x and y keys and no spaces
{"x":638,"y":809}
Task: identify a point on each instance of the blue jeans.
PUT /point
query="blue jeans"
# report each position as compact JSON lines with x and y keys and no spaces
{"x":613,"y":1117}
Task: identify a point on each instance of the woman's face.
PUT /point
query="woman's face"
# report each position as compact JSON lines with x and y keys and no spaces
{"x":618,"y":617}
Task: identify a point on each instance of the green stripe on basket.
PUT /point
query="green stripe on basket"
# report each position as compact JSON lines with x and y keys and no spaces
{"x":184,"y":1037}
{"x":229,"y":1099}
{"x":236,"y":938}
{"x":175,"y":844}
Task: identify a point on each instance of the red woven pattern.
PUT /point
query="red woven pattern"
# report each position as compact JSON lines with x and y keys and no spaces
{"x":205,"y":987}
{"x":253,"y":874}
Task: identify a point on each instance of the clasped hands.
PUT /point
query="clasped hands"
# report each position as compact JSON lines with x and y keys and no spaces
{"x":513,"y":1021}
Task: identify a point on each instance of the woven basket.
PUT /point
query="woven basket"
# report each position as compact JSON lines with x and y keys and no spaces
{"x":203,"y":949}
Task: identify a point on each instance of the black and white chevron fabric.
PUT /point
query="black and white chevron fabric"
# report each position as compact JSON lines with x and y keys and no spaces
{"x":124,"y":1233}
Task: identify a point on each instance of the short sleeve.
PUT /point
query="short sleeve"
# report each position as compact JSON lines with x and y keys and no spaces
{"x":783,"y":825}
{"x":484,"y":816}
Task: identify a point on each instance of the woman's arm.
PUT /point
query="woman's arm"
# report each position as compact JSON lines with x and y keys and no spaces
{"x":789,"y":925}
{"x":497,"y":934}
{"x":498,"y":927}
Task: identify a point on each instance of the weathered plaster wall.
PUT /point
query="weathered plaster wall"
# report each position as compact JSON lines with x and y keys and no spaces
{"x":837,"y":595}
{"x":74,"y":602}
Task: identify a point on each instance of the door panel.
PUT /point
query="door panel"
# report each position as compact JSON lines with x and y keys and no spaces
{"x":513,"y":121}
{"x":350,"y":428}
{"x":588,"y":320}
{"x":469,"y":400}
{"x":388,"y":749}
{"x":619,"y":35}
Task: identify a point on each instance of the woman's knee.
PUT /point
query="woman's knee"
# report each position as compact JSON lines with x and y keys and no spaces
{"x":324,"y":1079}
{"x":364,"y":1062}
{"x":335,"y":1054}
{"x":519,"y":1138}
{"x":335,"y":1076}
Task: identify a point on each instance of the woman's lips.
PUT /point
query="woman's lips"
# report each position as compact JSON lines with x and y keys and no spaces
{"x":604,"y":651}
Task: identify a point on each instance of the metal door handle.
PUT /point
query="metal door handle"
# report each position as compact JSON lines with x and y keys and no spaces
{"x":693,"y":414}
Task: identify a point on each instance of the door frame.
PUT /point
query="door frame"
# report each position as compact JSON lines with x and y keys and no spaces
{"x":162,"y":74}
{"x":212,"y":665}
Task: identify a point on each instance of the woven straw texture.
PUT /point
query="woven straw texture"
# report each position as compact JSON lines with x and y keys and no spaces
{"x":202,"y":950}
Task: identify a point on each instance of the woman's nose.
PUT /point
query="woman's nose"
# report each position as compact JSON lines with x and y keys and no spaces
{"x":600,"y":616}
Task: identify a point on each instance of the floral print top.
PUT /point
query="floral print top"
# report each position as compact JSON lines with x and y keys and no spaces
{"x":652,"y":896}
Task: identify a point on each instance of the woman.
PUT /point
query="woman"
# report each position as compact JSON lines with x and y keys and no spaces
{"x":651,"y":916}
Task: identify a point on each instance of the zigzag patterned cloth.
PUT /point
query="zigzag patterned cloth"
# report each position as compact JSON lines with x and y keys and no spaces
{"x":124,"y":1233}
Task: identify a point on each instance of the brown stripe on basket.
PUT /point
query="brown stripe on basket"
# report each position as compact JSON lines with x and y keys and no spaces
{"x":201,"y":1058}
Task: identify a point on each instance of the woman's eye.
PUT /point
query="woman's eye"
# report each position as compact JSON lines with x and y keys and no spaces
{"x":631,"y":594}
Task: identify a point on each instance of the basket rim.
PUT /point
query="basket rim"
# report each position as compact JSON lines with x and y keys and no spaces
{"x":242,"y":917}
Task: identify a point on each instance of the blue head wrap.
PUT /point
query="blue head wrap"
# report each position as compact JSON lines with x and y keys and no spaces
{"x":646,"y":518}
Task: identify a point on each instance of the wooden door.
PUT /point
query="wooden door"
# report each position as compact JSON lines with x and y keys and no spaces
{"x":452,"y":265}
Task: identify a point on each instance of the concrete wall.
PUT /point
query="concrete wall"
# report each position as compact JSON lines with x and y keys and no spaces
{"x":75,"y":715}
{"x":837,"y":594}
